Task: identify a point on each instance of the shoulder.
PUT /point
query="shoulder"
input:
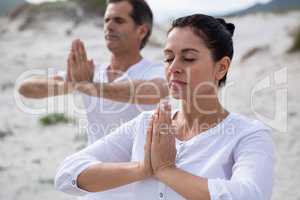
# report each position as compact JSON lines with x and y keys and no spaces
{"x":155,"y":65}
{"x":252,"y":135}
{"x":145,"y":116}
{"x":141,"y":122}
{"x":135,"y":126}
{"x":243,"y":125}
{"x":153,"y":70}
{"x":148,"y":65}
{"x":142,"y":118}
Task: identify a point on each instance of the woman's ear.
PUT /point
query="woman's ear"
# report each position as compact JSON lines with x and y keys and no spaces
{"x":222,"y":67}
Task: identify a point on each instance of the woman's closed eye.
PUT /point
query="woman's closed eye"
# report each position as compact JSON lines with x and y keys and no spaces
{"x":168,"y":60}
{"x":189,"y":59}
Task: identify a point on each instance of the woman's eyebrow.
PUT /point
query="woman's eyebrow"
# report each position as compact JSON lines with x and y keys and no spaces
{"x":189,"y":49}
{"x":183,"y":50}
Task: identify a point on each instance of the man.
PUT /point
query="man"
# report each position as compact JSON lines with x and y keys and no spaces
{"x":113,"y":93}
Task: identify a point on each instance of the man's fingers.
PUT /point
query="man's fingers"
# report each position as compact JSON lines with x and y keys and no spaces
{"x":73,"y":45}
{"x":72,"y":55}
{"x":73,"y":67}
{"x":91,"y":66}
{"x":75,"y":64}
{"x":74,"y":50}
{"x":82,"y":51}
{"x":69,"y":68}
{"x":76,"y":53}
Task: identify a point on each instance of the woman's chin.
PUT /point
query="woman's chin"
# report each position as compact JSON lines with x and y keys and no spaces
{"x":177,"y":95}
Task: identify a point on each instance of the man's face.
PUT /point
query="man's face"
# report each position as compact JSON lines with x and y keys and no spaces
{"x":121,"y":33}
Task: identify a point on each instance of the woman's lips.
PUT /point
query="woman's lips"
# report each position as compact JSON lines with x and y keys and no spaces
{"x":177,"y":83}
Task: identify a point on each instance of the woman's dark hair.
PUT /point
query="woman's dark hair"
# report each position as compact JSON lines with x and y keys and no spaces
{"x":141,"y":14}
{"x":215,"y":32}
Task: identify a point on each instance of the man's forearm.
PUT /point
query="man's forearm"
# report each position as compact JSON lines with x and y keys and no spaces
{"x":105,"y":176}
{"x":135,"y":92}
{"x":44,"y":87}
{"x":190,"y":186}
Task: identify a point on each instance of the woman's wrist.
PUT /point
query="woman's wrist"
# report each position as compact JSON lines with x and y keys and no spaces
{"x":143,"y":171}
{"x":160,"y":172}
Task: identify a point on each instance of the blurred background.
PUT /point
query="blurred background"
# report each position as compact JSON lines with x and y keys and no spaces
{"x":35,"y":135}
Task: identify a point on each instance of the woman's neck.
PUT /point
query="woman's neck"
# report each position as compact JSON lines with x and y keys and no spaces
{"x":195,"y":118}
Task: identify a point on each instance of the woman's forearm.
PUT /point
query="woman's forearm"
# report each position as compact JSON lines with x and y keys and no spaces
{"x":105,"y":176}
{"x":187,"y":185}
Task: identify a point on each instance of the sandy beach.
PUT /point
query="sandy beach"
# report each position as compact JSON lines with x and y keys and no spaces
{"x":262,"y":84}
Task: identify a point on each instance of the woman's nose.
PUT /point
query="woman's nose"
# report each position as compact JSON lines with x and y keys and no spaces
{"x":175,"y":68}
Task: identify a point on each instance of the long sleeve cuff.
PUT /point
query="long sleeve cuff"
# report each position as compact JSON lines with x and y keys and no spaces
{"x":234,"y":190}
{"x":66,"y":177}
{"x":217,"y":191}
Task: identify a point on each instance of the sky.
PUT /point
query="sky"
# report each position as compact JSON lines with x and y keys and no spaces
{"x":162,"y":9}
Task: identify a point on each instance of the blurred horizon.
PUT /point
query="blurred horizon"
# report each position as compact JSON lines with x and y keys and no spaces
{"x":163,"y":10}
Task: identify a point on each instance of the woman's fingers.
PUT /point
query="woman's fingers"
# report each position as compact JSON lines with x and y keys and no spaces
{"x":165,"y":113}
{"x":147,"y":149}
{"x":162,"y":121}
{"x":165,"y":118}
{"x":149,"y":133}
{"x":163,"y":150}
{"x":155,"y":134}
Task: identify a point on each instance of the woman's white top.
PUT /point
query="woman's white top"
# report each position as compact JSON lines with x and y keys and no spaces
{"x":236,"y":157}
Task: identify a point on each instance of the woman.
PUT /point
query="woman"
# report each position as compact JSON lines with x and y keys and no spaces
{"x":200,"y":151}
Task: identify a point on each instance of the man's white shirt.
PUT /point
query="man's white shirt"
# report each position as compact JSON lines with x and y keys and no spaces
{"x":106,"y":115}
